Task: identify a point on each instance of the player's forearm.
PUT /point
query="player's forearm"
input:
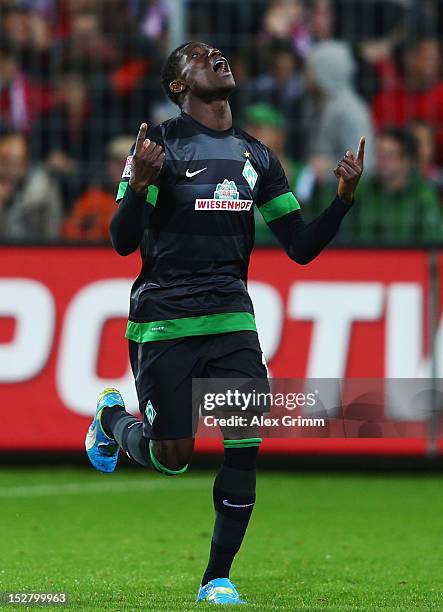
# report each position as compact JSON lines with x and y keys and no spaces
{"x":127,"y":224}
{"x":304,"y":241}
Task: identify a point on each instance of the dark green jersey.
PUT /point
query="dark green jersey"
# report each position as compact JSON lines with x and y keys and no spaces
{"x":199,"y":230}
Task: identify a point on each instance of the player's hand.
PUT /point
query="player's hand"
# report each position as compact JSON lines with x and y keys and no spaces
{"x":348,"y":171}
{"x":147,"y":161}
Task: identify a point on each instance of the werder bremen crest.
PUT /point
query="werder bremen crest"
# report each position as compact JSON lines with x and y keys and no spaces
{"x":250,"y":174}
{"x":150,"y":412}
{"x":226,"y":191}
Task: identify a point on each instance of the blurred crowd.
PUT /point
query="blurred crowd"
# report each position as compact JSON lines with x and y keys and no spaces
{"x":78,"y":76}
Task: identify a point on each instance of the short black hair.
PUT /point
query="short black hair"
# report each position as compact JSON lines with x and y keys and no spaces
{"x":405,"y":138}
{"x":170,"y":71}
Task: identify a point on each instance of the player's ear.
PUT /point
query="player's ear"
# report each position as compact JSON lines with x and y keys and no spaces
{"x":177,"y":87}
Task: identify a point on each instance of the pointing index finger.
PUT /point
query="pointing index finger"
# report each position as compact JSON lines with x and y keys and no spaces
{"x":361,"y":150}
{"x":141,"y":138}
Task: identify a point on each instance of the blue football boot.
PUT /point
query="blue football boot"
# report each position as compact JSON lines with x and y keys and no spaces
{"x":100,"y":448}
{"x":219,"y":591}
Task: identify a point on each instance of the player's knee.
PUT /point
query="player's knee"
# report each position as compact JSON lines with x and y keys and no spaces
{"x":171,"y":457}
{"x":176,"y":467}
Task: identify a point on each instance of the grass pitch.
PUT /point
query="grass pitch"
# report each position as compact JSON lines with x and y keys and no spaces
{"x":139,"y":541}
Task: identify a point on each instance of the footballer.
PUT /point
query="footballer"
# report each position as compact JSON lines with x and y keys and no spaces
{"x":186,"y":201}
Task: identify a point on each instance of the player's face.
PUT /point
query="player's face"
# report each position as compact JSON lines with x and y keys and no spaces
{"x":206,"y":72}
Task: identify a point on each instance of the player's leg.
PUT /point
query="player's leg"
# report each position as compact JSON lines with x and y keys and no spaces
{"x":234,"y":499}
{"x":164,"y":438}
{"x":235,"y":484}
{"x":169,"y":457}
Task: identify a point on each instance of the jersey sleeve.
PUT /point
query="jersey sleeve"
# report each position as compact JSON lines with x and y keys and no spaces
{"x":275,"y":198}
{"x":151,"y":197}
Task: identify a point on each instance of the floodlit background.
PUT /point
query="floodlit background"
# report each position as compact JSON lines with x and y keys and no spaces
{"x":77,"y":77}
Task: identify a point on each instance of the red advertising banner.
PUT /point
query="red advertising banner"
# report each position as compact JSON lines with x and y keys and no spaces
{"x":350,"y":313}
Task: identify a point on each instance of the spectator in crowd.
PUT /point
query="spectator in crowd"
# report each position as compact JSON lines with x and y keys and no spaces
{"x":44,"y":8}
{"x":30,"y":204}
{"x":30,"y":34}
{"x":335,"y":115}
{"x":303,"y":23}
{"x":321,"y":20}
{"x":266,"y":123}
{"x":287,"y":19}
{"x":225,"y":22}
{"x":92,"y":212}
{"x":427,"y":167}
{"x":20,"y":100}
{"x":71,"y":138}
{"x":281,"y":86}
{"x":398,"y":204}
{"x":131,"y":89}
{"x":283,"y":83}
{"x":155,"y":19}
{"x":87,"y":47}
{"x":417,"y":93}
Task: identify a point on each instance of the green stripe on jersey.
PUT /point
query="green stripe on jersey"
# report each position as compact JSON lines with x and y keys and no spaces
{"x":279,"y":206}
{"x":121,"y":190}
{"x":190,"y":326}
{"x":151,"y":196}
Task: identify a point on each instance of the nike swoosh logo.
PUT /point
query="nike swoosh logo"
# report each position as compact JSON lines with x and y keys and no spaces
{"x":226,"y":503}
{"x":191,"y":174}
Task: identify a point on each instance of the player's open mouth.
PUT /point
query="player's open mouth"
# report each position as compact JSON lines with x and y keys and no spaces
{"x":221,"y":65}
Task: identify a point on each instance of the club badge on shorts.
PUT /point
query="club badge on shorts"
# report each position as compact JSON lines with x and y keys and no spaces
{"x":150,"y":412}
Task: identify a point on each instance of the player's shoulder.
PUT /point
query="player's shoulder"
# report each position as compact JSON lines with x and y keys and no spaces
{"x":254,"y":142}
{"x":155,"y":133}
{"x":262,"y":153}
{"x":175,"y":127}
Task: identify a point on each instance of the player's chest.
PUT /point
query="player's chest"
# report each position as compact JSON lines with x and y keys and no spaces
{"x":214,"y":176}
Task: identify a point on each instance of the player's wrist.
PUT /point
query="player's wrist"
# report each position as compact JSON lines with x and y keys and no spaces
{"x":137,"y":188}
{"x":346,"y":198}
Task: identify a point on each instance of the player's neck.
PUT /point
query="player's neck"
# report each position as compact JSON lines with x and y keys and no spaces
{"x":215,"y":115}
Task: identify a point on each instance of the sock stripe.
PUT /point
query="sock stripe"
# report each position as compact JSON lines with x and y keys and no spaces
{"x":162,"y":468}
{"x":244,"y":443}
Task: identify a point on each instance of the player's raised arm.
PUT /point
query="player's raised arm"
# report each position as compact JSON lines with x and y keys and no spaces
{"x":304,"y":241}
{"x":348,"y":171}
{"x":128,"y":223}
